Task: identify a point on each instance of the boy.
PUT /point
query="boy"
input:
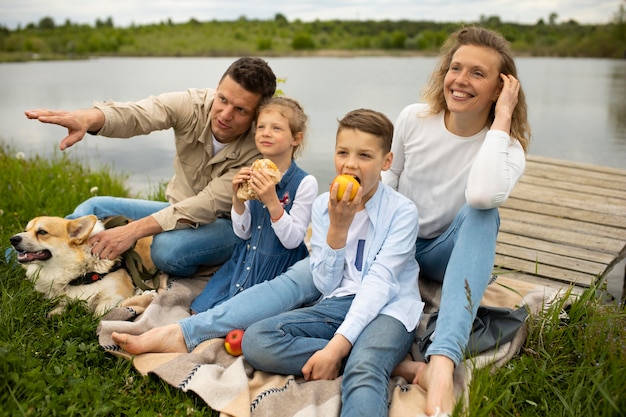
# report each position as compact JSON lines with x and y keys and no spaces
{"x":363,"y":263}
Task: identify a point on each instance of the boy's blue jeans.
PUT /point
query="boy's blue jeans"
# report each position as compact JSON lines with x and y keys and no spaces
{"x":285,"y":343}
{"x":177,"y":252}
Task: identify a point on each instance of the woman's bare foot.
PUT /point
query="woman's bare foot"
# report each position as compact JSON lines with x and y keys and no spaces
{"x":166,"y":339}
{"x":437,"y":379}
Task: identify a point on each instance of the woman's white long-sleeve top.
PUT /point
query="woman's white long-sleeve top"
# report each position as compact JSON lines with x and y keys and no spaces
{"x":440,"y":171}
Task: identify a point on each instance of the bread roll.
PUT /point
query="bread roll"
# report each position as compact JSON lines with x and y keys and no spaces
{"x":245,"y":192}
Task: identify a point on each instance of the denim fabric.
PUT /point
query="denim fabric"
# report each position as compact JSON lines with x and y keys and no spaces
{"x":260,"y":258}
{"x":377,"y":351}
{"x":462,"y":258}
{"x":103,"y":207}
{"x":177,"y":252}
{"x":284,"y":343}
{"x":287,"y":291}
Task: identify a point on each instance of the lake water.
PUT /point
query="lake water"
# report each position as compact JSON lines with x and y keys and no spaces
{"x":577,"y":107}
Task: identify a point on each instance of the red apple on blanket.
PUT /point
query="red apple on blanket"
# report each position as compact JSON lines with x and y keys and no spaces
{"x":232,"y":342}
{"x":343,"y":180}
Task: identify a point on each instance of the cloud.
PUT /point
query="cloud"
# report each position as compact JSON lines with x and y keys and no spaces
{"x":127,"y":12}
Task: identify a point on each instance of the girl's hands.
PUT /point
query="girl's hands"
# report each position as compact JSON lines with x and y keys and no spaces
{"x":240,"y":177}
{"x":265,"y":187}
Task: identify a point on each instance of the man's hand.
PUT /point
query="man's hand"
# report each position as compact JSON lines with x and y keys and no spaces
{"x":111,"y":243}
{"x":77,"y":123}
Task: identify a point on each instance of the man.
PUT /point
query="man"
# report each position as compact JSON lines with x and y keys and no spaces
{"x":214,"y":139}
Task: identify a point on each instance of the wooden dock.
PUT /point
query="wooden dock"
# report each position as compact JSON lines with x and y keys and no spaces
{"x":564,"y":224}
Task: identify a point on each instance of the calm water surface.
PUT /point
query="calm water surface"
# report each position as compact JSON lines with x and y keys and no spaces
{"x":577,"y":107}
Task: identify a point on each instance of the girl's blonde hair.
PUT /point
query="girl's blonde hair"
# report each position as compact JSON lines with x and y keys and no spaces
{"x":477,"y":36}
{"x":291,"y":110}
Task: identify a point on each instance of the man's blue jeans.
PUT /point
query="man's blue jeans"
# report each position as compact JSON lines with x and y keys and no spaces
{"x":177,"y":252}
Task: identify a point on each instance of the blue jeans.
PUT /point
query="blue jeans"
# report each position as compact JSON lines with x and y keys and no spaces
{"x":177,"y":252}
{"x":462,"y":258}
{"x":285,"y":343}
{"x":292,"y":289}
{"x":378,"y":350}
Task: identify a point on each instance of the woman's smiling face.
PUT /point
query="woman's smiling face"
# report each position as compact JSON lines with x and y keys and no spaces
{"x":472,"y":83}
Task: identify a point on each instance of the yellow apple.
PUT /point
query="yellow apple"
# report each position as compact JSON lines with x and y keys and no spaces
{"x":343,"y":180}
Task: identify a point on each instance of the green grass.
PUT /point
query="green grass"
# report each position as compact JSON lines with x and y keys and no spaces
{"x":573,"y":362}
{"x":56,"y":367}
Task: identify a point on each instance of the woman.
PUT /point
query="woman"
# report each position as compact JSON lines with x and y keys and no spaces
{"x":458,"y":155}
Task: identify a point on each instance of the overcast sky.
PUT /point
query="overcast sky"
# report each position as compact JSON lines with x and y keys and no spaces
{"x":127,"y":12}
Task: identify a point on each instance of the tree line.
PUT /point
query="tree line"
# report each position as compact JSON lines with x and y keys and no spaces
{"x":275,"y":37}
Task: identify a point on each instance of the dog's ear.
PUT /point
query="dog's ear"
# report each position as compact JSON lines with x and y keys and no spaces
{"x":79,"y":229}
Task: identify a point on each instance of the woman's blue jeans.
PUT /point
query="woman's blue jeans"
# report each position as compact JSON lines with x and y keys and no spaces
{"x":177,"y":252}
{"x":462,"y":259}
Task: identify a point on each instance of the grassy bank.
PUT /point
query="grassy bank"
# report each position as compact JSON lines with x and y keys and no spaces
{"x":573,"y":364}
{"x":56,"y":367}
{"x":48,"y":39}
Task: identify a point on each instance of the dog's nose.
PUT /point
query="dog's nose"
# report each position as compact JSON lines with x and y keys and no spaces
{"x":15,"y":240}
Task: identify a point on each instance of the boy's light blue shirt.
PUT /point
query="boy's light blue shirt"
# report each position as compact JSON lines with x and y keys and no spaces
{"x":389,"y":275}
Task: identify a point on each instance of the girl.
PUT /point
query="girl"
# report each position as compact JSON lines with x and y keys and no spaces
{"x":272,"y":227}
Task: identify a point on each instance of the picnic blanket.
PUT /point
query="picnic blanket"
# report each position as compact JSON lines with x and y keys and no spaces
{"x":231,"y":386}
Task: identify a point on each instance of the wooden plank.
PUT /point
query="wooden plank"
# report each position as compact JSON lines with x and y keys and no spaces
{"x":549,"y":283}
{"x":551,"y":259}
{"x":577,"y":239}
{"x":558,"y":249}
{"x":547,"y":162}
{"x":559,"y":177}
{"x":545,"y":271}
{"x":590,"y":189}
{"x":569,"y":199}
{"x":603,"y":179}
{"x":590,"y":175}
{"x":544,"y":220}
{"x":524,"y":204}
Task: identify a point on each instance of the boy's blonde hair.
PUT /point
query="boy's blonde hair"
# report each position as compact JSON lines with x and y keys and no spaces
{"x":291,"y":110}
{"x":372,"y":122}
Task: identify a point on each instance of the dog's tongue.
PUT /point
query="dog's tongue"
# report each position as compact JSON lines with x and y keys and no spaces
{"x":33,"y":256}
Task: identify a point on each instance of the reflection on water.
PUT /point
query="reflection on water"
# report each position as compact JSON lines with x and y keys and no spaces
{"x":577,"y":107}
{"x":617,"y":106}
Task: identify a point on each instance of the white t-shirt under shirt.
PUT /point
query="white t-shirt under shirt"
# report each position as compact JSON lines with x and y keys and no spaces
{"x":355,"y":244}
